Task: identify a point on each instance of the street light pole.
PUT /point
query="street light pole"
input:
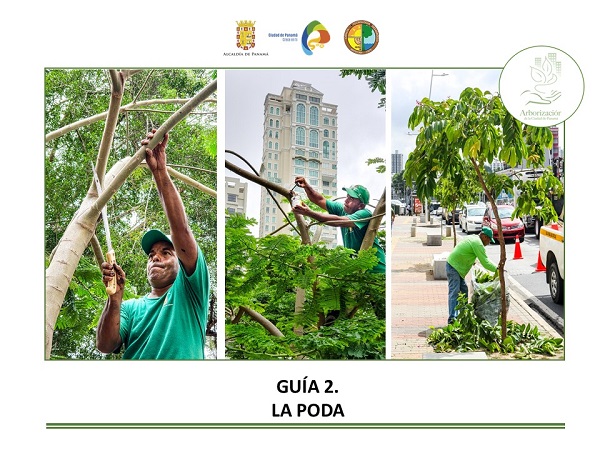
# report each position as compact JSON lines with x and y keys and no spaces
{"x":429,"y":97}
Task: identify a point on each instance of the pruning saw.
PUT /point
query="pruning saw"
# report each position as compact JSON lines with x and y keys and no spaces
{"x":111,"y":288}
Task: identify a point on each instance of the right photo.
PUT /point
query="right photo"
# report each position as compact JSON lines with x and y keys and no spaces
{"x":477,"y":224}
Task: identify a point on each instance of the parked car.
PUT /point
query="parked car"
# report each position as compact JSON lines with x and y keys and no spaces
{"x":435,"y":209}
{"x":449,"y":216}
{"x":471,"y":218}
{"x":511,"y":228}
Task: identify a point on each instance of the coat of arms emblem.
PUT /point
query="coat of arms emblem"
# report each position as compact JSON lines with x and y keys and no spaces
{"x":245,"y":34}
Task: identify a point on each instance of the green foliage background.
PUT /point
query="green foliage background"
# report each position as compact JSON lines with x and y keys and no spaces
{"x":75,"y":94}
{"x":263,"y":274}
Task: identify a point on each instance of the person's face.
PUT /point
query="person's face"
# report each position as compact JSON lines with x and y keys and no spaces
{"x":351,"y":205}
{"x":485,"y":239}
{"x":162,"y":266}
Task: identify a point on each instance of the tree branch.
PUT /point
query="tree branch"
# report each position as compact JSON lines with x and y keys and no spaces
{"x":129,"y":107}
{"x":267,"y":325}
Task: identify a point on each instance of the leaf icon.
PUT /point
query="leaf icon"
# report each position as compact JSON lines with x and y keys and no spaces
{"x":537,"y":75}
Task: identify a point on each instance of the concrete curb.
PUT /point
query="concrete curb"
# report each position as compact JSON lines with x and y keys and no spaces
{"x":520,"y":294}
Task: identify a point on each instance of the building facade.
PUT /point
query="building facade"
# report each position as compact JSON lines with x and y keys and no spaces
{"x":235,"y":195}
{"x":300,"y":138}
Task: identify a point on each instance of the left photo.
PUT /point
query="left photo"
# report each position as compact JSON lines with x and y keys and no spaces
{"x":130,"y":208}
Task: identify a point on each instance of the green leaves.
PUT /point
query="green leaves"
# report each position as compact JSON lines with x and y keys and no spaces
{"x":265,"y":275}
{"x":468,"y":333}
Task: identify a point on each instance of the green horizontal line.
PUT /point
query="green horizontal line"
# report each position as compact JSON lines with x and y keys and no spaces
{"x":306,"y":425}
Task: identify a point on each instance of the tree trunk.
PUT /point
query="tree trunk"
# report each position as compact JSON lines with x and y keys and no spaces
{"x":504,"y":312}
{"x":371,"y":233}
{"x":68,"y":253}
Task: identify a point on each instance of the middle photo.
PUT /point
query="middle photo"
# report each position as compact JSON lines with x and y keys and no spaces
{"x":305,"y":247}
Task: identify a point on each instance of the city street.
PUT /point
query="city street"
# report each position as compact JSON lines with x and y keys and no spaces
{"x":420,"y":301}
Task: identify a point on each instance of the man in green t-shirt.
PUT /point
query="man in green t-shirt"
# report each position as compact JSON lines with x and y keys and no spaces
{"x":170,"y":321}
{"x":352,"y":216}
{"x":460,"y":261}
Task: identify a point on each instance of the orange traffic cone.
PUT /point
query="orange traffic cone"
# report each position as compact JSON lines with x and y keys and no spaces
{"x":518,"y":254}
{"x":540,"y":266}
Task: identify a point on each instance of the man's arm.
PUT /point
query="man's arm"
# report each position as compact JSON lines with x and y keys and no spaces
{"x":314,"y":196}
{"x":326,"y":218}
{"x":181,"y":233}
{"x":483,"y":259}
{"x":108,"y":336}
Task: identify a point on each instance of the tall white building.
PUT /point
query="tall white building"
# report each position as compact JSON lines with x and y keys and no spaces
{"x":300,"y":139}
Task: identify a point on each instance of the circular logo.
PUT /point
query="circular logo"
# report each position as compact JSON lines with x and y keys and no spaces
{"x":315,"y":35}
{"x":541,"y":86}
{"x":361,"y":37}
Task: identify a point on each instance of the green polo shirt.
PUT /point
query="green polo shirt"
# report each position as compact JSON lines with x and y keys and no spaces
{"x":353,"y":236}
{"x":172,"y":326}
{"x":466,"y":252}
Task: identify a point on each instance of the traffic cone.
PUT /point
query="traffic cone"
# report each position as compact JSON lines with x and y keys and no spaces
{"x":540,"y":266}
{"x":518,"y":254}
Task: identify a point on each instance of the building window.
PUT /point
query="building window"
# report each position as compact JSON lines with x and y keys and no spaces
{"x":313,"y":164}
{"x":300,"y":152}
{"x":314,"y":115}
{"x":298,"y":171}
{"x":326,"y":133}
{"x":277,"y":135}
{"x":231,"y":210}
{"x":270,"y":122}
{"x":277,"y":111}
{"x":270,"y":145}
{"x":301,"y":96}
{"x":268,"y":165}
{"x":314,"y":99}
{"x":276,"y":145}
{"x":270,"y":133}
{"x":325,"y":120}
{"x":326,"y":149}
{"x":314,"y":139}
{"x":271,"y":110}
{"x":333,"y":122}
{"x":313,"y":173}
{"x":299,"y":162}
{"x":231,"y":198}
{"x":300,"y":136}
{"x":333,"y":134}
{"x":313,"y":155}
{"x":300,"y":113}
{"x":277,"y":124}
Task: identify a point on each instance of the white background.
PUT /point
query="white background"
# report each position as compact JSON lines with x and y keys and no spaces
{"x":184,"y":34}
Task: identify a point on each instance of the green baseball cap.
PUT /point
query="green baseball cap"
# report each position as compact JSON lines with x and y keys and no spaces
{"x":151,"y":237}
{"x":489,"y":233}
{"x":359,"y":192}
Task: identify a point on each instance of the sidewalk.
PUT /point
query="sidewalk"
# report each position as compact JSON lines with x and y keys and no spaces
{"x":420,"y":302}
